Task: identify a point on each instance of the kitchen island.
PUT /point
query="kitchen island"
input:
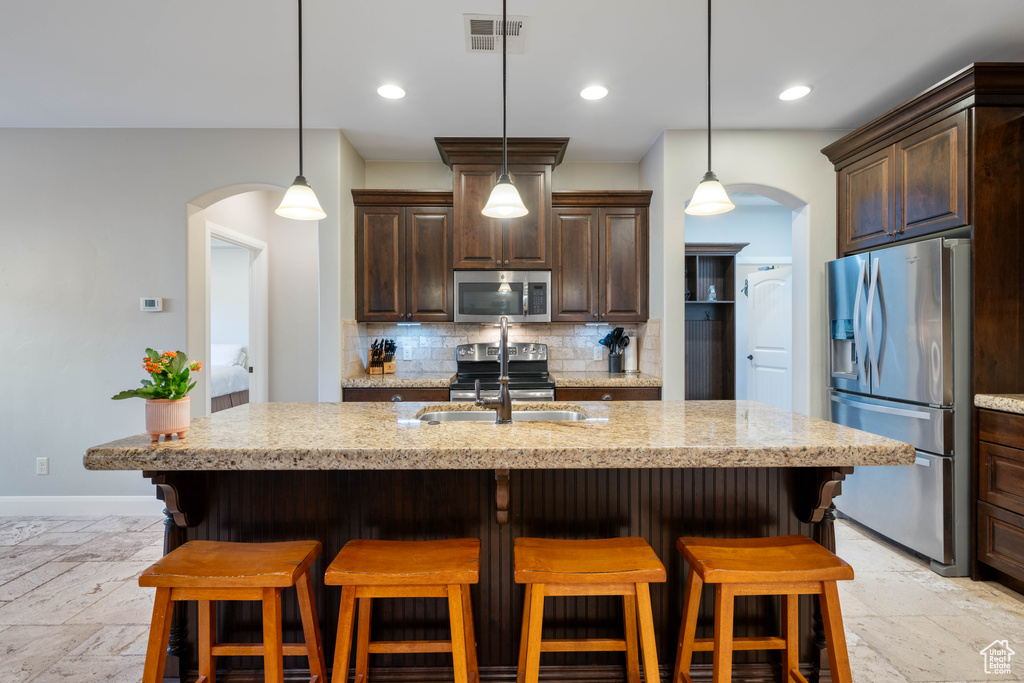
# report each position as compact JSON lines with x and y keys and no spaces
{"x":659,"y":470}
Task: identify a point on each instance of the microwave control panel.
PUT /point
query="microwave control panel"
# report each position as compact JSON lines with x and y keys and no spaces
{"x":537,"y":298}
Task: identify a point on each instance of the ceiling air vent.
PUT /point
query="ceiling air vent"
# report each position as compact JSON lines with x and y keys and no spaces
{"x":483,"y":33}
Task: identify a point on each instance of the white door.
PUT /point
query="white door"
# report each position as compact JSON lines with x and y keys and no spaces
{"x":770,"y":336}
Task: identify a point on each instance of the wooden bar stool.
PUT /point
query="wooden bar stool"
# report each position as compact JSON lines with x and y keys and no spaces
{"x":610,"y":566}
{"x":789,"y":566}
{"x":405,"y":569}
{"x":207,"y":571}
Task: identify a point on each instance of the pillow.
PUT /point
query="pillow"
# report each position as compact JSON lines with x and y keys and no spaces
{"x":225,"y":354}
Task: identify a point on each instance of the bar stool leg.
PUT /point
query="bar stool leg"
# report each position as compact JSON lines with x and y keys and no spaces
{"x":343,"y":642}
{"x":467,"y":620}
{"x":632,"y":655}
{"x":159,"y":631}
{"x":524,"y":635}
{"x":363,"y":640}
{"x":647,"y":644}
{"x":791,"y":631}
{"x":310,"y":629}
{"x":835,"y":637}
{"x":688,"y":630}
{"x":534,"y":637}
{"x":273,"y":645}
{"x":458,"y":629}
{"x":207,"y":638}
{"x":724,"y":601}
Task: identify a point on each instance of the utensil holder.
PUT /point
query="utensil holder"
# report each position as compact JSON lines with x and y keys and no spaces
{"x":615,"y":362}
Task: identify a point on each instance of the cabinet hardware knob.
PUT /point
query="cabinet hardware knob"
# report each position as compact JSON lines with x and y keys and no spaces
{"x":606,"y":397}
{"x":408,"y":315}
{"x":396,"y":398}
{"x":506,"y":262}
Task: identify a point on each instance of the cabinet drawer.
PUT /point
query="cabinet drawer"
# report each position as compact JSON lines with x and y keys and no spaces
{"x":608,"y":393}
{"x":1006,"y":429}
{"x":1001,"y":539}
{"x":368,"y":395}
{"x":1001,"y":476}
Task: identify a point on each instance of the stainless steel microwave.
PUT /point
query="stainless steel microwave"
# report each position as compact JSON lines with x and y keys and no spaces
{"x":484,"y":296}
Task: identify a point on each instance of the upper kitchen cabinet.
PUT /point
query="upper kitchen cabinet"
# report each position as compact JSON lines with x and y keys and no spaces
{"x":516,"y":243}
{"x":867,"y":213}
{"x":601,"y":256}
{"x":403,"y":256}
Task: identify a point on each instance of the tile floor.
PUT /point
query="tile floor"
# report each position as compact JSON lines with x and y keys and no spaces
{"x":70,"y":607}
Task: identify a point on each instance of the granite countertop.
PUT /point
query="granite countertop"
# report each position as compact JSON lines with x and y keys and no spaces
{"x":388,"y":436}
{"x":604,"y":379}
{"x":1008,"y":403}
{"x":399,"y":379}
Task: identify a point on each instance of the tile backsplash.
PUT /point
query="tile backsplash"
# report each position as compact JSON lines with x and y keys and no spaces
{"x":432,"y":345}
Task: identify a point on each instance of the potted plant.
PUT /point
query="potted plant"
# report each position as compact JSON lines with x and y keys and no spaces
{"x":168,"y":409}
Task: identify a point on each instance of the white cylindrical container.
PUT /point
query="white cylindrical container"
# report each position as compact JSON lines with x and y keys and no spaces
{"x":629,"y":355}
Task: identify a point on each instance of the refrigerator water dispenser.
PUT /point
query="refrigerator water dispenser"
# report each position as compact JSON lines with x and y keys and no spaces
{"x":844,"y":350}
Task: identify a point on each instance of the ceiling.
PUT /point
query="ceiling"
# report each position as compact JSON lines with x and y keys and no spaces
{"x":231,"y":64}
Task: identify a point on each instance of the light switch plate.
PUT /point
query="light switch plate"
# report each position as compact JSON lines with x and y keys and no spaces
{"x":406,"y":353}
{"x":598,"y":354}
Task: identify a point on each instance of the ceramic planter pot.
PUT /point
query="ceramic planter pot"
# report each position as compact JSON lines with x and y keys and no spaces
{"x":164,"y":416}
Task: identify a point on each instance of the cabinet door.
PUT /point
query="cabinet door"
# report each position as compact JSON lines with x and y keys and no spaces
{"x":429,"y":290}
{"x":932,"y":169}
{"x":527,"y":240}
{"x":624,"y":260}
{"x":380,"y":264}
{"x":477,"y":238}
{"x":866,"y":202}
{"x":574,"y":277}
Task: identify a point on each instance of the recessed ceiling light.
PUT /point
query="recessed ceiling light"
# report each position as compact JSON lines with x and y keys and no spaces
{"x":795,"y":93}
{"x":594,"y":92}
{"x":392,"y":92}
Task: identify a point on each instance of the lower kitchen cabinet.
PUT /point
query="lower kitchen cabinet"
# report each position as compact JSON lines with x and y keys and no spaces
{"x":394,"y":394}
{"x":1000,"y":510}
{"x":607,"y":393}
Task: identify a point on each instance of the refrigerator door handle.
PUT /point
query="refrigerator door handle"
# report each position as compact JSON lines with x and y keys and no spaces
{"x":873,"y":351}
{"x":856,"y":321}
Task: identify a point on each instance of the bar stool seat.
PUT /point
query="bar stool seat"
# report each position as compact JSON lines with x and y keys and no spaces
{"x":208,"y":571}
{"x":611,"y":566}
{"x":368,"y":569}
{"x":789,"y":566}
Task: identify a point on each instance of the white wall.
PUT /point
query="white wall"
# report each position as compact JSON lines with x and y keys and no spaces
{"x":788,"y":160}
{"x":229,"y":294}
{"x":92,"y":220}
{"x":767,"y":229}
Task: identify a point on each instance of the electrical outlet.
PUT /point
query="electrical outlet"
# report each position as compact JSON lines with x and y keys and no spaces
{"x":598,"y":354}
{"x":42,"y":465}
{"x":406,"y":353}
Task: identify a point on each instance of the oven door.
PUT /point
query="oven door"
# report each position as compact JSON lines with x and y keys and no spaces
{"x":516,"y":394}
{"x":487,"y":296}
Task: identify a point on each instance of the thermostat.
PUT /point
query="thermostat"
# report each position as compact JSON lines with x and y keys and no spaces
{"x":151,"y":303}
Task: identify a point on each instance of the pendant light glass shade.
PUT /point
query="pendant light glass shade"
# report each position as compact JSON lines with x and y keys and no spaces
{"x":505,"y":201}
{"x":300,"y":202}
{"x":709,"y":198}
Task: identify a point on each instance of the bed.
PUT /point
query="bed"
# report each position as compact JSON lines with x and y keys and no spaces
{"x":229,"y":376}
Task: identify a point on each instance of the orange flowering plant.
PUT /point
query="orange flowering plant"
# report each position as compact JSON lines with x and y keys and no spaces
{"x":170,"y":373}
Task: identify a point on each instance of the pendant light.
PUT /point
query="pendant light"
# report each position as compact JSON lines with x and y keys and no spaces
{"x":504,"y":201}
{"x":710,"y":197}
{"x":300,"y":201}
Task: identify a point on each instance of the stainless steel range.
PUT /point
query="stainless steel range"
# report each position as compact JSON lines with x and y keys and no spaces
{"x":527,"y":372}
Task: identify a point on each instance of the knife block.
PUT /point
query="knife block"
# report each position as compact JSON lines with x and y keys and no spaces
{"x":380,"y":368}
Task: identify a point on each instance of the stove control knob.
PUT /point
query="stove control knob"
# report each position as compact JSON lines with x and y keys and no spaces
{"x":472,"y":352}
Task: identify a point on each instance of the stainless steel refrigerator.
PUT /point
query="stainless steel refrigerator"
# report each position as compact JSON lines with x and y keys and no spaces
{"x":899,"y":323}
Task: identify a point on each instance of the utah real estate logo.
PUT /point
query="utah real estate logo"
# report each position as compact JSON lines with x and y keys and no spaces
{"x":997,"y":657}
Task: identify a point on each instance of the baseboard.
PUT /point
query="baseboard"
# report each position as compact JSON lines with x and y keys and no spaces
{"x":44,"y":506}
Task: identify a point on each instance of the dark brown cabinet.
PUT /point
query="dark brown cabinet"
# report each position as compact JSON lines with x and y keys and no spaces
{"x":601,"y":256}
{"x":867,"y":213}
{"x":710,"y":327}
{"x":394,"y":395}
{"x":607,"y":393}
{"x":483,"y":242}
{"x":403,"y":257}
{"x":1001,"y":492}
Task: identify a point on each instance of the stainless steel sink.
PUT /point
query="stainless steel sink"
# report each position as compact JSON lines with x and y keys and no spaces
{"x":488,"y":416}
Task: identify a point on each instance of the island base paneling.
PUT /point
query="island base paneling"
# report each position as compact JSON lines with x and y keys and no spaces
{"x":657,"y":504}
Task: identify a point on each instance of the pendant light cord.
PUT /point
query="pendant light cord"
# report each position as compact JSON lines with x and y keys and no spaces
{"x":300,"y":87}
{"x":504,"y":89}
{"x":709,"y":85}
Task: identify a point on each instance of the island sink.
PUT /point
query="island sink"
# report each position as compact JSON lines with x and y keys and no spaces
{"x":517,"y":416}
